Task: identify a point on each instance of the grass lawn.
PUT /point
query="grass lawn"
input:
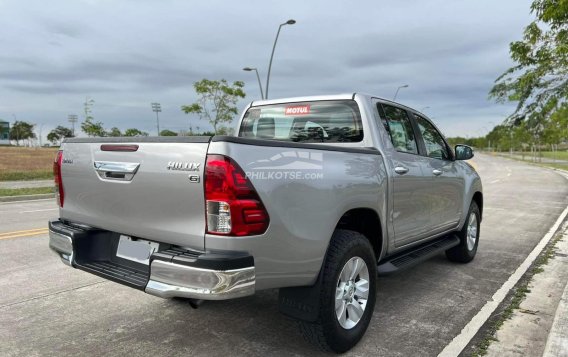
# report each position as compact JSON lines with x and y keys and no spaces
{"x":560,"y":155}
{"x":20,"y":163}
{"x":25,"y":191}
{"x":554,"y":165}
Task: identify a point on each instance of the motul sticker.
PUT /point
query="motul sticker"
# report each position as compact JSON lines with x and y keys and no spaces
{"x":297,"y":110}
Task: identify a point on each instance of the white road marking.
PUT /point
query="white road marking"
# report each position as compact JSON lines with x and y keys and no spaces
{"x":495,"y":181}
{"x":456,"y":346}
{"x":40,"y":210}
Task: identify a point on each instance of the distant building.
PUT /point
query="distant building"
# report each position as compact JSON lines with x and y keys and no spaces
{"x":4,"y":133}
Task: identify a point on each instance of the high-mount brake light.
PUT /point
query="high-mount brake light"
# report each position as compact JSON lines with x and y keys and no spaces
{"x":59,"y":193}
{"x":120,"y":147}
{"x":233,"y":207}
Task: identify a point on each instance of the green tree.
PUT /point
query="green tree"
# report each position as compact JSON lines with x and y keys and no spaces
{"x":89,"y":126}
{"x":58,"y":134}
{"x":217,"y":101}
{"x":114,"y":132}
{"x":225,"y":131}
{"x":522,"y":138}
{"x":539,"y":80}
{"x":93,"y":129}
{"x":22,"y":130}
{"x":499,"y":137}
{"x":134,"y":132}
{"x":167,"y":132}
{"x":556,"y":129}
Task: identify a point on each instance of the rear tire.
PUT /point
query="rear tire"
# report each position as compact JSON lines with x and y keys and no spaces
{"x":348,"y":294}
{"x":469,"y":237}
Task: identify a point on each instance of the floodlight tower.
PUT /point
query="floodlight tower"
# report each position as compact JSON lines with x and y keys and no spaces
{"x":156,"y":107}
{"x":72,"y":118}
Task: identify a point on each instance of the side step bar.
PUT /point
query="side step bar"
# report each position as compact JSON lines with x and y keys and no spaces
{"x":416,"y":255}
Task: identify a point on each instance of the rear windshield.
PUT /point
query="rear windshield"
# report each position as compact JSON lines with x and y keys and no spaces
{"x":312,"y":122}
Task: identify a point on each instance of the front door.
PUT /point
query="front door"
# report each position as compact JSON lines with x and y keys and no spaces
{"x":446,"y":185}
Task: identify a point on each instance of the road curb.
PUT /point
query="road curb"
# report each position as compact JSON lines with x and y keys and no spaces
{"x":27,"y":197}
{"x":538,"y":315}
{"x":560,"y":170}
{"x":557,"y":344}
{"x":468,"y":333}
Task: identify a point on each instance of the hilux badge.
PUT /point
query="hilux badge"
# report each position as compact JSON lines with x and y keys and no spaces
{"x":183,"y":166}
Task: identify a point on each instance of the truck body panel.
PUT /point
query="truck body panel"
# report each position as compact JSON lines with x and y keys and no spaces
{"x":158,"y":203}
{"x":324,"y":183}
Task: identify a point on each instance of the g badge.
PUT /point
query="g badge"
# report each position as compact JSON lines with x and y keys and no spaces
{"x":194,"y":178}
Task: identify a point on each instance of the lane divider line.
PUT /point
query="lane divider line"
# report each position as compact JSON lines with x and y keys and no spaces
{"x":456,"y":346}
{"x":26,"y":234}
{"x":24,"y":231}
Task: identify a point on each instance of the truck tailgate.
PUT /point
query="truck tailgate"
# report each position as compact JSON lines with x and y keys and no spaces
{"x":147,"y":187}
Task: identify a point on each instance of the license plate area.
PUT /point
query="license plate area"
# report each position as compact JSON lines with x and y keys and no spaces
{"x":135,"y":250}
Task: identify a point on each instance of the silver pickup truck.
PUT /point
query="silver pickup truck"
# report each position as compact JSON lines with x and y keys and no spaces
{"x":314,"y":196}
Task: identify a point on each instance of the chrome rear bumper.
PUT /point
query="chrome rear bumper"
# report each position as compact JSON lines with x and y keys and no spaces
{"x":62,"y":245}
{"x":173,"y":272}
{"x":173,"y":280}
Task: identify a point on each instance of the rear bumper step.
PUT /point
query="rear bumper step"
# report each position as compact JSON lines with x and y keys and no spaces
{"x":117,"y":273}
{"x":172,"y":272}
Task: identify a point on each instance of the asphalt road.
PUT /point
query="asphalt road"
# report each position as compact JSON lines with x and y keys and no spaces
{"x":47,"y":308}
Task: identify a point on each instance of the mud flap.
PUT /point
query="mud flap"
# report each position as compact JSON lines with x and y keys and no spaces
{"x":302,"y":303}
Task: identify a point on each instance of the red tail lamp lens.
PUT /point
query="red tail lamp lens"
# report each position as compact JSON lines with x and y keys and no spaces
{"x":232,"y":203}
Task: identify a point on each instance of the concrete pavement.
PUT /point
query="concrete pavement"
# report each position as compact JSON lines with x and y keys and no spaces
{"x":17,"y":216}
{"x":26,"y":184}
{"x":47,"y":308}
{"x":530,"y":327}
{"x":557,"y":343}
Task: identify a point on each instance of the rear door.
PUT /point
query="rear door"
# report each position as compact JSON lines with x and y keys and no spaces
{"x":446,"y":185}
{"x":150,"y":188}
{"x":410,"y":193}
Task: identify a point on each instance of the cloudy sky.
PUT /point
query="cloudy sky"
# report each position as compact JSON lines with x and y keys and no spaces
{"x":127,"y":54}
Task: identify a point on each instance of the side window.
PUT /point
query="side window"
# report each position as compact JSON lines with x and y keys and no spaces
{"x":436,"y":147}
{"x":397,"y":123}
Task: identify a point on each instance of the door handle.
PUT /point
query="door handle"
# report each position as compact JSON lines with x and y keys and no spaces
{"x":400,"y":170}
{"x":437,"y":172}
{"x":123,"y":171}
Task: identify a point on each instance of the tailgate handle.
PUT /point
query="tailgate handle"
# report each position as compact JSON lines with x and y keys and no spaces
{"x":121,"y":171}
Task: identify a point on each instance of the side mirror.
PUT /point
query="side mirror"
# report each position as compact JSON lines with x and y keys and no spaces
{"x":463,"y":152}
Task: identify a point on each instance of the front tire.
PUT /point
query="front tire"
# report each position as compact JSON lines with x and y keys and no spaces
{"x":348,"y":294}
{"x":469,"y":237}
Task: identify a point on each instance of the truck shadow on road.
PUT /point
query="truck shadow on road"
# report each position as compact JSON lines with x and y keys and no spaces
{"x":407,"y":304}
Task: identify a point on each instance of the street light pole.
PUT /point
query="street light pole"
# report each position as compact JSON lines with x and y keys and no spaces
{"x":248,"y":69}
{"x":289,"y":22}
{"x":396,"y":93}
{"x":156,"y":107}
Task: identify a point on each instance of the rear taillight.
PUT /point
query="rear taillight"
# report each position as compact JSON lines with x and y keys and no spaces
{"x":59,"y":193}
{"x":232,"y":204}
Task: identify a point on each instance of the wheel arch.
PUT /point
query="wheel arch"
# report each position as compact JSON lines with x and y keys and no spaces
{"x":367,"y":222}
{"x":478,"y":199}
